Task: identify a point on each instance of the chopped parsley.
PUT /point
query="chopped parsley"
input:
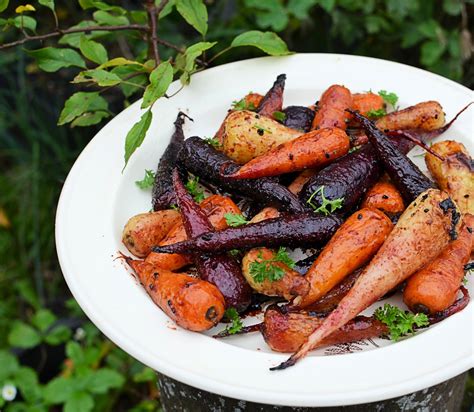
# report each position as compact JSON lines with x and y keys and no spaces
{"x":280,"y":116}
{"x":400,"y":323}
{"x":375,"y":114}
{"x":195,"y":190}
{"x":265,"y":269}
{"x":213,"y":141}
{"x":353,"y":149}
{"x":390,"y":98}
{"x":235,"y":220}
{"x":242,"y":105}
{"x":147,"y":181}
{"x":261,"y":129}
{"x":332,"y":204}
{"x":234,"y":252}
{"x":236,"y":323}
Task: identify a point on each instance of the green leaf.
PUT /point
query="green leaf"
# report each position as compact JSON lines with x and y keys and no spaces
{"x":431,"y":51}
{"x":167,"y":9}
{"x":327,"y":5}
{"x":108,"y":19}
{"x":94,"y":4}
{"x":43,"y":319}
{"x":51,"y":59}
{"x":195,"y":189}
{"x":400,"y":323}
{"x":236,"y":323}
{"x":104,"y":379}
{"x":267,"y":41}
{"x":430,"y":29}
{"x":101,"y":77}
{"x":79,"y":402}
{"x":190,"y":56}
{"x":145,"y":375}
{"x":147,"y":181}
{"x":79,"y":103}
{"x":93,"y":51}
{"x":74,"y":39}
{"x":90,"y":118}
{"x":269,"y":13}
{"x":452,"y":7}
{"x":47,"y":3}
{"x":136,"y":135}
{"x":160,"y":79}
{"x":235,"y":220}
{"x":75,"y":353}
{"x":121,"y":61}
{"x":23,"y":336}
{"x":27,"y":381}
{"x":58,"y":335}
{"x":26,"y":22}
{"x":3,"y":5}
{"x":195,"y":13}
{"x":9,"y":365}
{"x":300,"y":8}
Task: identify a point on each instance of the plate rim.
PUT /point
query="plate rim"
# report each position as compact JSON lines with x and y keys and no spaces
{"x":213,"y":384}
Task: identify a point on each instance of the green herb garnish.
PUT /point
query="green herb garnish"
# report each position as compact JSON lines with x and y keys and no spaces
{"x":236,"y":325}
{"x":174,"y":207}
{"x":390,"y":98}
{"x":469,"y":268}
{"x":280,"y":116}
{"x":195,"y":190}
{"x":235,"y":220}
{"x":243,"y":105}
{"x":147,"y":181}
{"x":212,"y":141}
{"x":234,"y":252}
{"x":262,"y":269}
{"x":353,"y":149}
{"x":333,"y":204}
{"x":400,"y":323}
{"x":261,"y":129}
{"x":375,"y":114}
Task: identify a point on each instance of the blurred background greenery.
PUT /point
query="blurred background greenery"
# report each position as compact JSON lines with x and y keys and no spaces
{"x":49,"y":351}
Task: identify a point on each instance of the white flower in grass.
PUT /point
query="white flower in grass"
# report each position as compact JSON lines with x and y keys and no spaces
{"x":79,"y":334}
{"x":9,"y":392}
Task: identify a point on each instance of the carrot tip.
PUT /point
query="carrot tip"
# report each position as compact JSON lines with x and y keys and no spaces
{"x":288,"y":363}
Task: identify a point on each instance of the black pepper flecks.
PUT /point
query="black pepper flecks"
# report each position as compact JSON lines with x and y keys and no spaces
{"x":260,"y":132}
{"x":171,"y":306}
{"x":359,"y":216}
{"x":426,"y":210}
{"x":151,"y":286}
{"x":327,"y":155}
{"x":384,"y":197}
{"x":447,"y":205}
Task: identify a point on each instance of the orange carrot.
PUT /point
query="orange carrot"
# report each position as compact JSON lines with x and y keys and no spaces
{"x":365,"y":102}
{"x":331,"y":108}
{"x":385,"y":197}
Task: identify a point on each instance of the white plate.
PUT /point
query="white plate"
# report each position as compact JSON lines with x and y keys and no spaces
{"x":97,"y":200}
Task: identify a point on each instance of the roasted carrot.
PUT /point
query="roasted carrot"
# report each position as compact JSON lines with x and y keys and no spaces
{"x":314,"y":149}
{"x":434,"y":288}
{"x":331,"y":108}
{"x":286,"y":331}
{"x":192,"y":303}
{"x":422,"y":232}
{"x":300,"y":180}
{"x":353,"y":245}
{"x":215,"y":207}
{"x":384,"y":196}
{"x":145,"y":230}
{"x":365,"y":102}
{"x":273,"y":100}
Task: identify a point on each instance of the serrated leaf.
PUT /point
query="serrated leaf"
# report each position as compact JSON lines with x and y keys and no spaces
{"x":195,"y":13}
{"x":43,"y":319}
{"x":23,"y":336}
{"x":3,"y":5}
{"x":79,"y":402}
{"x":104,"y":379}
{"x":106,"y":18}
{"x":9,"y":364}
{"x":27,"y":22}
{"x":431,"y":51}
{"x":58,"y":335}
{"x":137,"y":134}
{"x":79,"y":103}
{"x":160,"y":79}
{"x":51,"y":59}
{"x":47,"y":3}
{"x":93,"y":51}
{"x":88,"y":119}
{"x":59,"y":390}
{"x":267,"y":41}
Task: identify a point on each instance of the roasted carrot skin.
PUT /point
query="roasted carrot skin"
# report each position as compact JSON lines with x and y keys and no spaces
{"x":273,"y":100}
{"x":204,"y":161}
{"x":434,"y":288}
{"x":331,"y":108}
{"x":352,"y":246}
{"x":289,"y":230}
{"x":219,"y":269}
{"x":384,"y":196}
{"x":215,"y":208}
{"x":365,"y":102}
{"x":192,"y":303}
{"x":314,"y":149}
{"x":286,"y":331}
{"x":162,"y":193}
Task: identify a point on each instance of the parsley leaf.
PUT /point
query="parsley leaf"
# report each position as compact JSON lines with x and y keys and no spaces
{"x":213,"y":141}
{"x":353,"y":149}
{"x":147,"y":181}
{"x":194,"y":189}
{"x":280,"y":116}
{"x":235,"y":220}
{"x":400,"y":323}
{"x":242,"y":105}
{"x":262,"y":269}
{"x":390,"y":98}
{"x":236,"y":325}
{"x":261,"y":129}
{"x":375,"y":114}
{"x":333,"y":204}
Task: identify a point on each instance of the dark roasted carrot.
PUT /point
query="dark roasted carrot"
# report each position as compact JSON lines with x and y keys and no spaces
{"x":365,"y":102}
{"x":192,"y":303}
{"x":434,"y":288}
{"x":353,"y":245}
{"x":273,"y":100}
{"x":215,"y":207}
{"x":384,"y":196}
{"x":331,"y":108}
{"x":314,"y":149}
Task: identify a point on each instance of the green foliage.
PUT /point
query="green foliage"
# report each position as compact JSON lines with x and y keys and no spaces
{"x":147,"y":181}
{"x":327,"y":206}
{"x":266,"y":269}
{"x":234,"y":220}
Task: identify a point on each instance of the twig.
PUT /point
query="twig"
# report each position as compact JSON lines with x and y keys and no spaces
{"x":153,"y":13}
{"x":60,"y":32}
